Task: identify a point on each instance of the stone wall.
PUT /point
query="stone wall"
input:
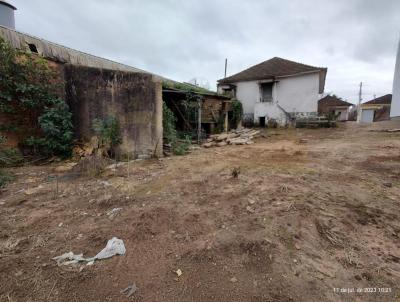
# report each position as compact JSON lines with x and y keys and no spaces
{"x":135,"y":99}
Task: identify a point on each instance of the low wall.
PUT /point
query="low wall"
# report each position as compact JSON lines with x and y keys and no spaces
{"x":135,"y":99}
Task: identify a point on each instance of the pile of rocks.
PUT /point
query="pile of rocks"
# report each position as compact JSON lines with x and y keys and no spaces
{"x":236,"y":137}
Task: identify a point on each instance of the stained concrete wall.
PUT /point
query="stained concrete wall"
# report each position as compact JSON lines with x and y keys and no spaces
{"x":135,"y":99}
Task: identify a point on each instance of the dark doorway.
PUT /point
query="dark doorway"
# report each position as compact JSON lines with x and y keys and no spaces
{"x":262,"y":121}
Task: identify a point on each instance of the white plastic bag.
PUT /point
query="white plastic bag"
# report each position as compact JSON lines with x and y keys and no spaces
{"x":114,"y":247}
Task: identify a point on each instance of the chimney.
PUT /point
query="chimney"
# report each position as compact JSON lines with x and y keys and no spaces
{"x":7,"y":18}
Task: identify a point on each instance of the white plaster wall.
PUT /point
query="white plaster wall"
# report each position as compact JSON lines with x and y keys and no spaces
{"x":248,"y":93}
{"x":294,"y":94}
{"x":367,"y":115}
{"x":299,"y":93}
{"x":395,"y":107}
{"x":270,"y":111}
{"x":344,"y":114}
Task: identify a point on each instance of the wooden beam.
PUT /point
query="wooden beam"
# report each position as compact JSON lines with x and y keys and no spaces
{"x":180,"y":113}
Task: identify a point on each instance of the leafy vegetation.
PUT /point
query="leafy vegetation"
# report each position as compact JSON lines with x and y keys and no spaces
{"x":56,"y":126}
{"x":237,"y":112}
{"x":186,"y":87}
{"x":5,"y":178}
{"x":28,"y":93}
{"x":108,"y":131}
{"x":8,"y":157}
{"x":178,"y":146}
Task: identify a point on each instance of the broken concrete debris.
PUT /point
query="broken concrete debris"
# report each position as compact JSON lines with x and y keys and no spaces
{"x":242,"y":136}
{"x":130,"y":290}
{"x":114,"y":247}
{"x":114,"y":212}
{"x":178,"y":272}
{"x":65,"y":168}
{"x":250,"y":209}
{"x":32,"y":191}
{"x":386,"y":130}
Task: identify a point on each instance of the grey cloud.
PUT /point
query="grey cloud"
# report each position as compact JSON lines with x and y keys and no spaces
{"x":355,"y":39}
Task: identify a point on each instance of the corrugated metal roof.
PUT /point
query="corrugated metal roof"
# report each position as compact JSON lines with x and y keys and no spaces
{"x":63,"y":54}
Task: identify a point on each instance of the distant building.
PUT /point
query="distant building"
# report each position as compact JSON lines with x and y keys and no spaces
{"x":276,"y":89}
{"x":331,"y":104}
{"x":395,"y":110}
{"x":376,"y":110}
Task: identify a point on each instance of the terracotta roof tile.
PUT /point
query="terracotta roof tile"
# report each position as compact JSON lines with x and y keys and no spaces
{"x":275,"y":67}
{"x":332,"y":100}
{"x":386,"y":100}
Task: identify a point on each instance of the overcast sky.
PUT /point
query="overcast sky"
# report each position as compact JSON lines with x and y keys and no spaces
{"x":185,"y":39}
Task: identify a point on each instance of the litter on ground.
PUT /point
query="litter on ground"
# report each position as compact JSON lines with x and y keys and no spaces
{"x":114,"y":247}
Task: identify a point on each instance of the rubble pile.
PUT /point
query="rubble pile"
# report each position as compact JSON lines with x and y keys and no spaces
{"x":242,"y":136}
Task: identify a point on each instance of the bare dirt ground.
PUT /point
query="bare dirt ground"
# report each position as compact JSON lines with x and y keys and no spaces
{"x":312,"y":210}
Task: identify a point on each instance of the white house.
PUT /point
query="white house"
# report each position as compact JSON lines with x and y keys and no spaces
{"x":395,"y":108}
{"x":276,"y":89}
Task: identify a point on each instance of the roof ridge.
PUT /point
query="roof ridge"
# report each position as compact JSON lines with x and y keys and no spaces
{"x":301,"y":63}
{"x":274,"y":67}
{"x":382,"y":98}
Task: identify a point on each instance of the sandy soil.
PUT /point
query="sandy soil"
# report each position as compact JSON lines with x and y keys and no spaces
{"x":311,"y":211}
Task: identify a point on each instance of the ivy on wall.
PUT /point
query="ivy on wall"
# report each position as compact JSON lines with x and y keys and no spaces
{"x":28,"y":97}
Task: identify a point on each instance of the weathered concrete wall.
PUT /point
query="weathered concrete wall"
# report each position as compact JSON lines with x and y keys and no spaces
{"x":135,"y":99}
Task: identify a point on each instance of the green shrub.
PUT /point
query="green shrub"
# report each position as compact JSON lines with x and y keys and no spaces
{"x":5,"y":178}
{"x":237,"y":112}
{"x":169,"y":127}
{"x":10,"y":157}
{"x":179,"y":147}
{"x":56,"y":127}
{"x":108,"y":131}
{"x":28,"y":92}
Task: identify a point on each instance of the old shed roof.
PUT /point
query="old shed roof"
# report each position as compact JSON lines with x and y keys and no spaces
{"x":383,"y":100}
{"x":275,"y":68}
{"x":63,"y":54}
{"x":332,"y":100}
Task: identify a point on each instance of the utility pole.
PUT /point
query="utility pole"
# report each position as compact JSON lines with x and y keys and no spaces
{"x":226,"y":66}
{"x":359,"y":103}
